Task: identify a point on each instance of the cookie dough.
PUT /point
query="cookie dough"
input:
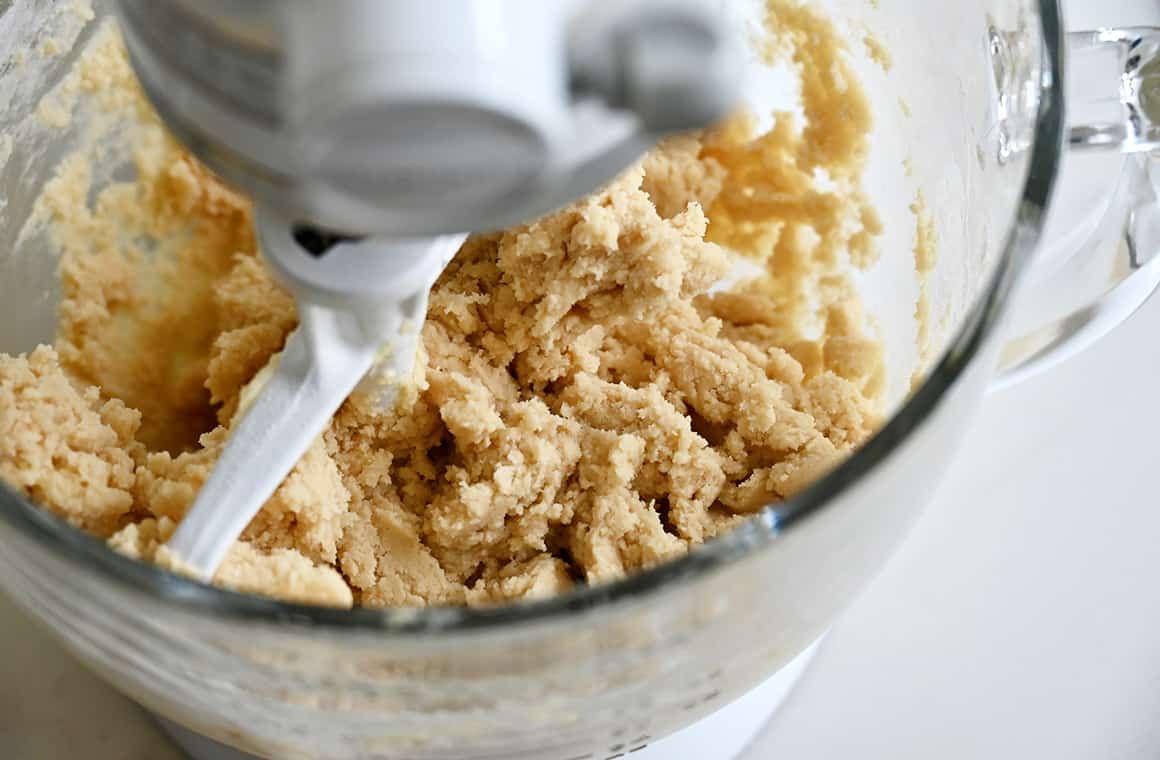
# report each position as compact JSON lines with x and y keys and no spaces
{"x":587,"y":402}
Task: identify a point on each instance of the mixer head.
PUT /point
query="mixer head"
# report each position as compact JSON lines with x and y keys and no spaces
{"x":424,"y":117}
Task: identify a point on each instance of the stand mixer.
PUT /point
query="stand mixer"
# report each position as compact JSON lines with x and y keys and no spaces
{"x":373,"y":137}
{"x":607,"y":670}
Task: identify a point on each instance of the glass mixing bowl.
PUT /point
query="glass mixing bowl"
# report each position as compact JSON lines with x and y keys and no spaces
{"x":614,"y":666}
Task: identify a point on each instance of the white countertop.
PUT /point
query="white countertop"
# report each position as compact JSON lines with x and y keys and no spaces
{"x":1020,"y":619}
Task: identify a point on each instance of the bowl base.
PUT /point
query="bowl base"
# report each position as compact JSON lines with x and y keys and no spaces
{"x":723,"y":735}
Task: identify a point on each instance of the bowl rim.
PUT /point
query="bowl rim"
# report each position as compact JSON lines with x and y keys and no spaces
{"x":757,"y":534}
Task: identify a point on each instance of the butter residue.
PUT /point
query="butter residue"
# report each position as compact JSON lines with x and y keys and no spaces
{"x":877,"y":52}
{"x":925,"y":260}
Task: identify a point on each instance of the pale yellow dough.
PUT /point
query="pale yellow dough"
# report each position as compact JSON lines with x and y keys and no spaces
{"x":583,"y":406}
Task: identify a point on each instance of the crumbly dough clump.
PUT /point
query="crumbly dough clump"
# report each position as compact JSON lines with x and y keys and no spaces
{"x":585,"y":404}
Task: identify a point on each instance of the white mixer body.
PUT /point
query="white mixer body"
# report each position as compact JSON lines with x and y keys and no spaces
{"x":423,"y":117}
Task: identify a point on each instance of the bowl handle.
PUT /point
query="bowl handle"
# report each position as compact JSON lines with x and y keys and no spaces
{"x":1057,"y":315}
